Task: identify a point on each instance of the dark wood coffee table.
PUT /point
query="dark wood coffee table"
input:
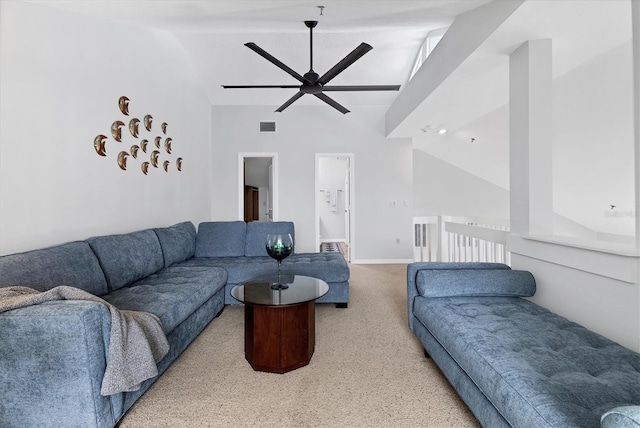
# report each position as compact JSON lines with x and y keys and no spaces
{"x":279,"y":322}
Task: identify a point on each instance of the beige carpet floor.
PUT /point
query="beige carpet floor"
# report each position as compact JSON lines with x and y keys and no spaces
{"x":368,"y":370}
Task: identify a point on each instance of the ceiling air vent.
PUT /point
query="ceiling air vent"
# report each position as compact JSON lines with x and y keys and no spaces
{"x":267,"y":127}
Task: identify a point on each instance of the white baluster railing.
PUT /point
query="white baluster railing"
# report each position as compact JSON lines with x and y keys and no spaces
{"x":449,"y":239}
{"x":425,"y":239}
{"x":472,"y":243}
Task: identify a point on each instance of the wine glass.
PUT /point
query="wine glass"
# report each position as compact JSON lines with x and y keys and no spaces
{"x":279,"y":246}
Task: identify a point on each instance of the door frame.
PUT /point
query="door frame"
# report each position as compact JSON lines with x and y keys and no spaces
{"x":350,"y":215}
{"x":274,"y":180}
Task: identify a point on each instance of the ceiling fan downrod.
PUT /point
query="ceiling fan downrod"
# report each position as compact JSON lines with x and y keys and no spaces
{"x":311,"y":25}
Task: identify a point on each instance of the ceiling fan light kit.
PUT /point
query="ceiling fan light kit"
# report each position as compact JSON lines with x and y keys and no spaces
{"x":311,"y":82}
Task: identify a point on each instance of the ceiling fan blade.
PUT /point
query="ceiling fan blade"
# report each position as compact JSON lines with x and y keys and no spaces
{"x":362,"y":88}
{"x":257,"y":49}
{"x":355,"y":54}
{"x":290,"y":101}
{"x":332,"y":103}
{"x":259,"y":86}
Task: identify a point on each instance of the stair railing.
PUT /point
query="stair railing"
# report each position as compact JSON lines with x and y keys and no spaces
{"x":457,"y":239}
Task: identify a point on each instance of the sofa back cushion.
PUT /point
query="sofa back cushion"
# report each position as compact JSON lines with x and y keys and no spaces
{"x":256,"y":241}
{"x":72,"y":264}
{"x":129,"y":257}
{"x":178,"y":242}
{"x":475,"y":282}
{"x":221,"y":239}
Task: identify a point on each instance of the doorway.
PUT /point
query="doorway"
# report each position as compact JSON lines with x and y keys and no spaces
{"x":334,"y":205}
{"x":257,"y":186}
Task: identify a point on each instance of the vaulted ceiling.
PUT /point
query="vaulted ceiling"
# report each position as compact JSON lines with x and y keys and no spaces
{"x":471,"y":101}
{"x":213,"y":33}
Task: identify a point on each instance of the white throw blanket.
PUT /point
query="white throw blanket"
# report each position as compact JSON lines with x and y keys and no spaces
{"x":136,"y":344}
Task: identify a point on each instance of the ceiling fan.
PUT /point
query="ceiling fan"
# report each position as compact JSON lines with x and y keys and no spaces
{"x":312,"y":82}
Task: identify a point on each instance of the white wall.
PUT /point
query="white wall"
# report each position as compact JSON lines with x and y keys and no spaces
{"x":382,"y":171}
{"x":592,"y":117}
{"x":596,"y":289}
{"x":593,"y":165}
{"x":592,"y":146}
{"x":440,"y":188}
{"x":61,"y":76}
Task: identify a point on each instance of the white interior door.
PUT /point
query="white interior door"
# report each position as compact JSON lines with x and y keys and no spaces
{"x":334,"y":204}
{"x":347,"y":206}
{"x":257,"y":164}
{"x":270,"y":195}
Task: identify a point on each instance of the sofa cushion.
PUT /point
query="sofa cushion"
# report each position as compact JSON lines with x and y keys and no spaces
{"x":256,"y":241}
{"x":178,"y":242}
{"x":239,"y":269}
{"x":129,"y":257}
{"x":537,"y":368}
{"x":329,"y":267}
{"x":72,"y":264}
{"x":172,"y":294}
{"x":220,"y":239}
{"x":475,"y":282}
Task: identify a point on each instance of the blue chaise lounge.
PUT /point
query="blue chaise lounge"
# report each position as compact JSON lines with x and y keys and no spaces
{"x":514,"y":363}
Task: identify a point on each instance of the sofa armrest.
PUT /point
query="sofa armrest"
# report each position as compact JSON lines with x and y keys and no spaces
{"x":52,"y":361}
{"x":413,"y":269}
{"x":621,"y":417}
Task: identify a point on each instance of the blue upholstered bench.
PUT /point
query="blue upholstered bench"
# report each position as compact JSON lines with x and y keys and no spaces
{"x":514,"y":363}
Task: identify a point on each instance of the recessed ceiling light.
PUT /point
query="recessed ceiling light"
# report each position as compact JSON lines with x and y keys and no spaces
{"x":442,"y":131}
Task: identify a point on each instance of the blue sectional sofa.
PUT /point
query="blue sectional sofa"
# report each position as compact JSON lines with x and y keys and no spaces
{"x":53,"y":355}
{"x":514,"y":363}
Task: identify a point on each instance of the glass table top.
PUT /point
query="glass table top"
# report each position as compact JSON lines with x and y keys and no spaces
{"x":274,"y":291}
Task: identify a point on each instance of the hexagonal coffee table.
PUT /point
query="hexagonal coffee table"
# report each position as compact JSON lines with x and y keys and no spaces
{"x":279,"y":321}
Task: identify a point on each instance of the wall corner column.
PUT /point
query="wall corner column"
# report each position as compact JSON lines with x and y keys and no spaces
{"x":530,"y":138}
{"x":635,"y":43}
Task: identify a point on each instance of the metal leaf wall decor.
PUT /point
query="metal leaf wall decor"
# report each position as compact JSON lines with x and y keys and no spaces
{"x":132,"y":146}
